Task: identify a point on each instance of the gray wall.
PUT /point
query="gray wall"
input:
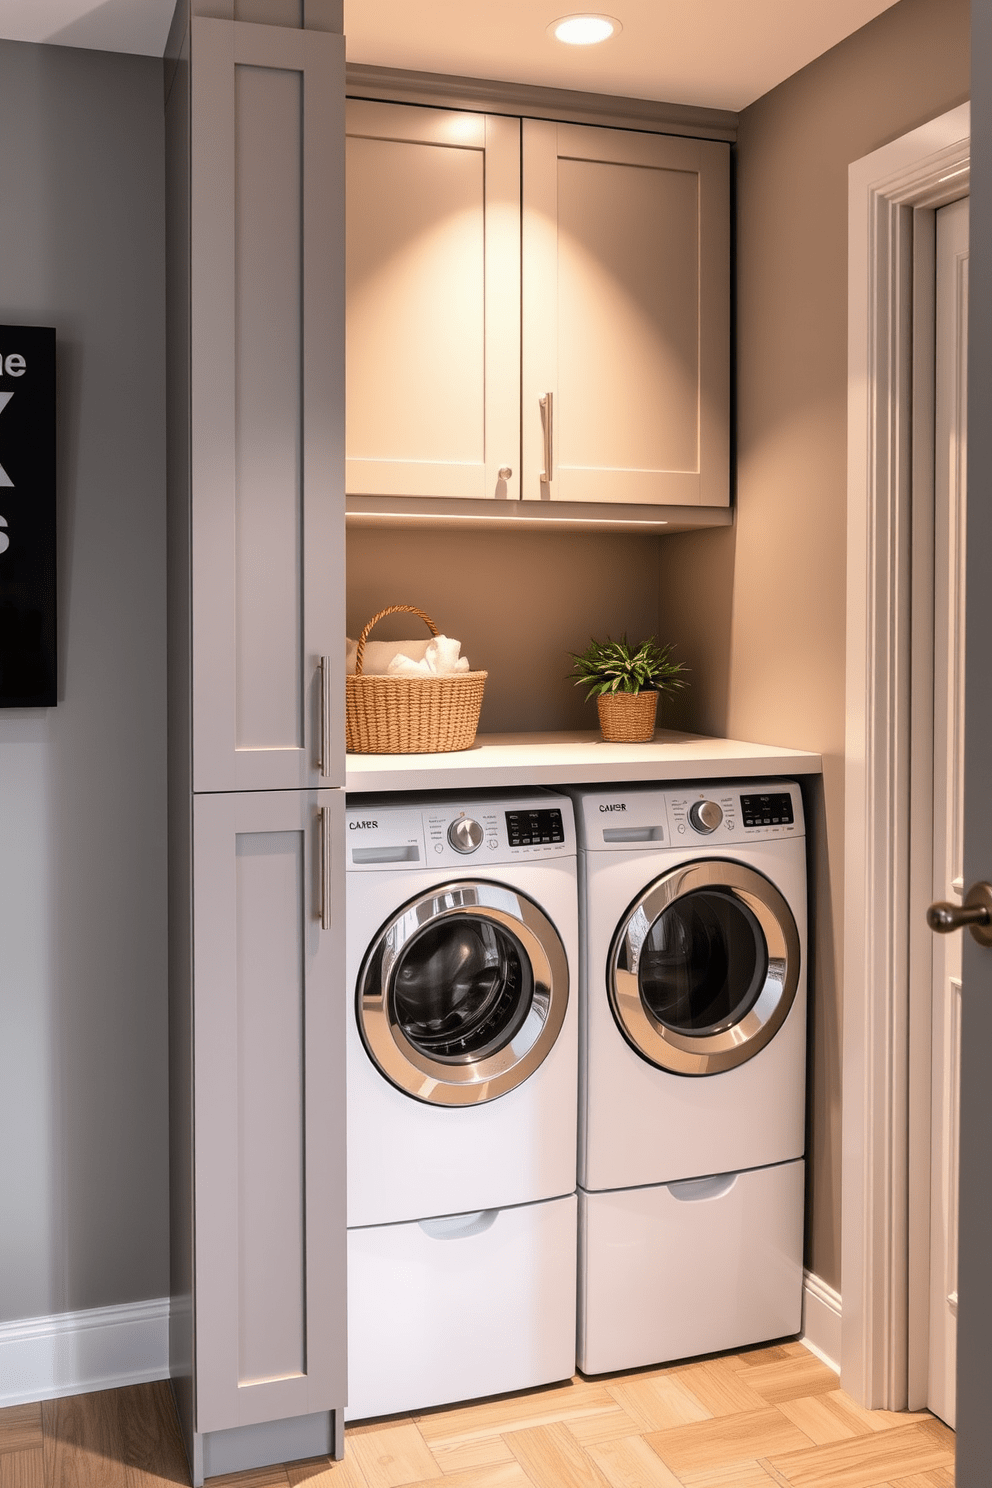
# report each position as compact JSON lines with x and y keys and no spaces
{"x":83,"y":1103}
{"x":761,"y":607}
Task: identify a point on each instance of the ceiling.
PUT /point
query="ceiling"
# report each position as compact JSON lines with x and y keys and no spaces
{"x":717,"y":53}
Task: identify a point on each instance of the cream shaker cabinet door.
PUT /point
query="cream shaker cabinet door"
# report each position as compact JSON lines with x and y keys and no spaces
{"x":626,"y":317}
{"x":269,"y":1111}
{"x":266,"y":431}
{"x":433,"y":302}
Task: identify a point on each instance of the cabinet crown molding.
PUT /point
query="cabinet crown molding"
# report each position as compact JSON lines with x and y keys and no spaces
{"x":394,"y":84}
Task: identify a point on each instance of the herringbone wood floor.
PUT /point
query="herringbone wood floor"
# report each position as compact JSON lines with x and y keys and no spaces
{"x":765,"y":1417}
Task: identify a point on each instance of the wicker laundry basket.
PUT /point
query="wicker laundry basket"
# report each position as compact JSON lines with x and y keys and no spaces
{"x":410,"y":715}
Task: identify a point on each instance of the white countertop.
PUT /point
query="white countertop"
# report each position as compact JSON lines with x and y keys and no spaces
{"x":498,"y":760}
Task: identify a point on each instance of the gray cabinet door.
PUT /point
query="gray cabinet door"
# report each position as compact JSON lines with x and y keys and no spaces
{"x":626,"y":317}
{"x":267,"y":437}
{"x":269,"y":1110}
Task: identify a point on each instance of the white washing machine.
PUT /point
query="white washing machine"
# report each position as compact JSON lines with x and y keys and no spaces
{"x":462,"y":1071}
{"x":692,"y":1069}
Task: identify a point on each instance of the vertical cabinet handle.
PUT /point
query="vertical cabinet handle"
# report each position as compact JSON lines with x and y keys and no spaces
{"x":324,"y":833}
{"x":324,"y":669}
{"x":546,"y":415}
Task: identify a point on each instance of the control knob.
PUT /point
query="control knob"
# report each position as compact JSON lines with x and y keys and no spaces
{"x":705,"y":816}
{"x":465,"y":835}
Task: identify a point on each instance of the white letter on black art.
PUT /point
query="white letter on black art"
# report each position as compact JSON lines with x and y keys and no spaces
{"x":5,"y":479}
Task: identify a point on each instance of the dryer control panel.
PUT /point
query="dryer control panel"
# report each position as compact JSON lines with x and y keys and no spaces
{"x":717,"y":813}
{"x":457,"y":832}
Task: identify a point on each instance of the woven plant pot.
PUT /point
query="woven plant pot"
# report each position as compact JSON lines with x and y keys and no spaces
{"x":627,"y":717}
{"x":410,"y":715}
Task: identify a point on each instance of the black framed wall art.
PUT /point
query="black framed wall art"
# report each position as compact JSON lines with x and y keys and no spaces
{"x":28,"y":664}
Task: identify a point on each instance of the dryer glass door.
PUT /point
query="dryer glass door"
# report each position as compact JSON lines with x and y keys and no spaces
{"x":462,"y":987}
{"x":462,"y":994}
{"x":704,"y":962}
{"x":704,"y":967}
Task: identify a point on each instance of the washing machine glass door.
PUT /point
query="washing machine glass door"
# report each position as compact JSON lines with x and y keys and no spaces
{"x":704,"y":967}
{"x":462,"y":994}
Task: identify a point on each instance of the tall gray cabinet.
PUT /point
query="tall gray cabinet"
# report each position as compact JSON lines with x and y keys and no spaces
{"x":255,"y":172}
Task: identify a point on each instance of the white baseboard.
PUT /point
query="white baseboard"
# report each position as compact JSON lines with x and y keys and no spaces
{"x":821,"y":1320}
{"x":72,"y":1353}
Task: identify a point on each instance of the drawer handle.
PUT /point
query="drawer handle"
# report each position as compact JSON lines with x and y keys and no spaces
{"x":546,"y":414}
{"x":693,"y":1190}
{"x":459,"y":1226}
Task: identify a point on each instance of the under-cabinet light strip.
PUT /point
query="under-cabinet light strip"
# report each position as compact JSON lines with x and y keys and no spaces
{"x":484,"y":517}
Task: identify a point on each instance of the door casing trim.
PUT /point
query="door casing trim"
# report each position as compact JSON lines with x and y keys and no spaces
{"x":893,"y":195}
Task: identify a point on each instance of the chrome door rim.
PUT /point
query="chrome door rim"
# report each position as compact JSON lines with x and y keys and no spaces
{"x":472,"y":1081}
{"x":706,"y":1053}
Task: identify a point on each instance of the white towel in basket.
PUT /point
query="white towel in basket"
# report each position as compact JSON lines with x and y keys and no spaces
{"x":378,"y":654}
{"x":440,"y":659}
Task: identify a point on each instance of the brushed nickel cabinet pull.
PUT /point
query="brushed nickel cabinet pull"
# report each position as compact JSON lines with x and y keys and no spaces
{"x":546,"y":416}
{"x":324,"y":832}
{"x":324,"y":668}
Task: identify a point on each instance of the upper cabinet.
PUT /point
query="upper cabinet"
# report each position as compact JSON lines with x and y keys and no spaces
{"x":266,"y":442}
{"x":535,"y":310}
{"x":626,"y":314}
{"x":433,"y":291}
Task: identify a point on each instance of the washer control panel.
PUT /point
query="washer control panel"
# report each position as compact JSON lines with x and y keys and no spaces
{"x":412,"y":833}
{"x":715,"y":812}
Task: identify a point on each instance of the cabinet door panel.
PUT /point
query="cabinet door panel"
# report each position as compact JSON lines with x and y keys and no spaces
{"x":267,"y":407}
{"x":626,"y":316}
{"x":268,"y":1110}
{"x":432,"y":302}
{"x":268,"y":491}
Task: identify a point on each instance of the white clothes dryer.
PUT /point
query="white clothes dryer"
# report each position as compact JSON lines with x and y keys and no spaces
{"x":692,"y":1069}
{"x":462,"y":1071}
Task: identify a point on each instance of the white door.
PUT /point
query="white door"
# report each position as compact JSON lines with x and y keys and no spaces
{"x":433,"y":302}
{"x":948,"y":881}
{"x":626,"y":317}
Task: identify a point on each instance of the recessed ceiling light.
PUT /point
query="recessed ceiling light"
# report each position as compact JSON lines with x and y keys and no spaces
{"x":584,"y":30}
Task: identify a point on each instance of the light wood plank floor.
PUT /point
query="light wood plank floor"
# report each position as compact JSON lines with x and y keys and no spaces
{"x":765,"y":1417}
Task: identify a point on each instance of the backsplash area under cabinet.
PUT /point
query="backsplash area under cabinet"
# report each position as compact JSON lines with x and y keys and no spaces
{"x":518,"y":602}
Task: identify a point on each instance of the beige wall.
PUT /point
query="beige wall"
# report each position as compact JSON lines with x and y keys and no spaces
{"x":519,"y":603}
{"x":761,"y":609}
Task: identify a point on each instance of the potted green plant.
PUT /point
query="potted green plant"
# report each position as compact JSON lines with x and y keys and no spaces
{"x":626,"y":681}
